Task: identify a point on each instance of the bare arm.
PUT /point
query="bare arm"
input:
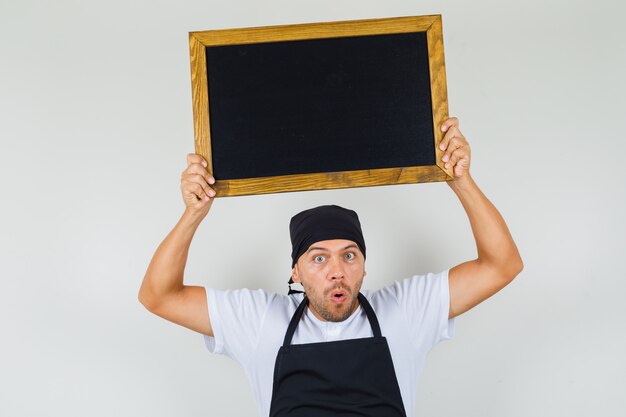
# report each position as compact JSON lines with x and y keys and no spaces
{"x":162,"y":291}
{"x":498,"y":259}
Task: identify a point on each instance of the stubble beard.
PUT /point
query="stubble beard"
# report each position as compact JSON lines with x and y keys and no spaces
{"x":321,"y":305}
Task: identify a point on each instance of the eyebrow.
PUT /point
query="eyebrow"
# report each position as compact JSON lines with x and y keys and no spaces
{"x":352,"y":245}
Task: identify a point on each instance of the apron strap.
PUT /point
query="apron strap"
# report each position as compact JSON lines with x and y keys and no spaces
{"x":369,"y":311}
{"x":370,"y":315}
{"x":294,"y":321}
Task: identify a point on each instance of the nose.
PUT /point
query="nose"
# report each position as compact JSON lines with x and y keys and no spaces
{"x":336,"y":269}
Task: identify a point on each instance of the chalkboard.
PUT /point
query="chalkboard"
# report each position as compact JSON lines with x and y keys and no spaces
{"x":322,"y":105}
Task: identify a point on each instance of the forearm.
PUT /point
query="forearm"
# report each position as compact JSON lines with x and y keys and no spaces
{"x":494,"y":243}
{"x":165,"y":272}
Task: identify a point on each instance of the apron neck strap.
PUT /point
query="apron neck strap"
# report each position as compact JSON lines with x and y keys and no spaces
{"x":371,"y":316}
{"x":369,"y":311}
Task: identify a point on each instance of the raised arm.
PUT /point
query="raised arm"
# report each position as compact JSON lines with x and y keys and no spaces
{"x":498,"y":259}
{"x":162,"y":291}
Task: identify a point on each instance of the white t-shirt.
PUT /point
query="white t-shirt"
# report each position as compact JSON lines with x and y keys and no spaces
{"x":250,"y":325}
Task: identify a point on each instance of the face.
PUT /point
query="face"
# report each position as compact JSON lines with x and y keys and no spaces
{"x":331,"y":272}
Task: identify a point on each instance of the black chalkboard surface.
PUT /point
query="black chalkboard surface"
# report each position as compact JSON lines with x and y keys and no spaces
{"x":293,"y":111}
{"x":327,"y":104}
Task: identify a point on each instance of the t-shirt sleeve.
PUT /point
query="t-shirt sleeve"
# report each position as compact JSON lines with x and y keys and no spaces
{"x":236,"y":318}
{"x":425,"y":301}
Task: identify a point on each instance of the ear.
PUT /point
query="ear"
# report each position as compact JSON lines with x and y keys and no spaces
{"x":294,"y":274}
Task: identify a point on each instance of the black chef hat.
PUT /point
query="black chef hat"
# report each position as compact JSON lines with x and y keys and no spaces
{"x":323,"y":223}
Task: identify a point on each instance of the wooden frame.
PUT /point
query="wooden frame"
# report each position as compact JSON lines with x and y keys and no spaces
{"x":432,"y":25}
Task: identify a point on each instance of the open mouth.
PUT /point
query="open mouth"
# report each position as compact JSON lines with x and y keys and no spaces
{"x":338,"y":296}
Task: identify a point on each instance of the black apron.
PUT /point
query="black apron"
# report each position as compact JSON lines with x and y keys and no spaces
{"x":344,"y":378}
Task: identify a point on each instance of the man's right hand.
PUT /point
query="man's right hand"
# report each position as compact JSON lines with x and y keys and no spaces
{"x":194,"y":184}
{"x":162,"y":291}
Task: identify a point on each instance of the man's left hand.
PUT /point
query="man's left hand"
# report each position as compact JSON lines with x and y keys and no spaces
{"x":457,"y":153}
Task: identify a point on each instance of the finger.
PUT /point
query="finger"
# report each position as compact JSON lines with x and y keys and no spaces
{"x":198,"y":169}
{"x":190,"y":193}
{"x":453,"y":132}
{"x":458,"y":154}
{"x":452,"y":121}
{"x":194,"y":158}
{"x":199,"y":185}
{"x":452,"y":140}
{"x":455,"y":143}
{"x":197,"y":192}
{"x":455,"y":153}
{"x":195,"y":169}
{"x":461,"y":167}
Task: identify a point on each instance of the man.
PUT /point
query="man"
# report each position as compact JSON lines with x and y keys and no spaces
{"x":374,"y":343}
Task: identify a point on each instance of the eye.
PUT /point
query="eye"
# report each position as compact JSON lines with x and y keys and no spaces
{"x":350,"y":256}
{"x":319,"y":258}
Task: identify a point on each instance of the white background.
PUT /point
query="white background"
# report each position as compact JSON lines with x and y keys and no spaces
{"x":95,"y":123}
